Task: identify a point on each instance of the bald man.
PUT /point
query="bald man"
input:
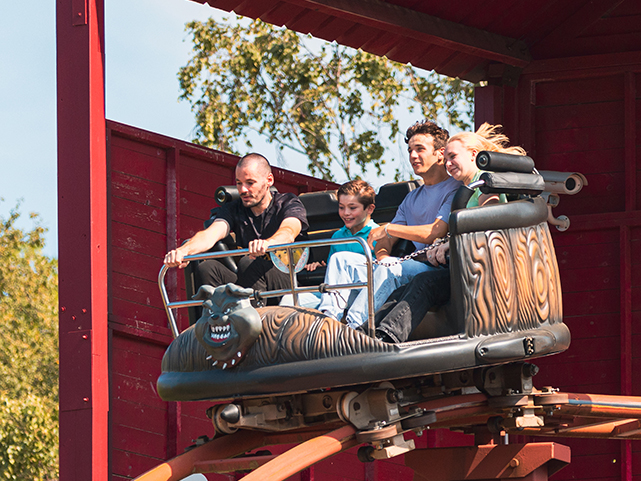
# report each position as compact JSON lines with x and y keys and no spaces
{"x":259,"y":220}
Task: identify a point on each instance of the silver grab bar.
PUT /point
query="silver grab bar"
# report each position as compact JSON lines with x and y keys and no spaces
{"x":295,"y":289}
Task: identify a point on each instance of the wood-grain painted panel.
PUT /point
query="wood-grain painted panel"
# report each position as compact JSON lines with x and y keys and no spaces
{"x":611,"y":44}
{"x":346,"y":466}
{"x":604,"y":193}
{"x":196,"y":409}
{"x":594,"y":349}
{"x":192,"y":428}
{"x":596,"y":466}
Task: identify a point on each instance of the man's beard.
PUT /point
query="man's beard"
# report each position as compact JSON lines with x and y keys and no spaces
{"x":251,"y":203}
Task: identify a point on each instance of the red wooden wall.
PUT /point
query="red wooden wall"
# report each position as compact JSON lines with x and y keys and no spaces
{"x":160,"y":190}
{"x":578,"y":113}
{"x":584,"y":115}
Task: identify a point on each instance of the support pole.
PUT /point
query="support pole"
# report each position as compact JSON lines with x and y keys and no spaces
{"x":83,"y":241}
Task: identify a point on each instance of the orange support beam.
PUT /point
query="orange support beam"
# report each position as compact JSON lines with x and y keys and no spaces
{"x":224,"y":447}
{"x":527,"y":462}
{"x":305,"y":454}
{"x":213,"y":457}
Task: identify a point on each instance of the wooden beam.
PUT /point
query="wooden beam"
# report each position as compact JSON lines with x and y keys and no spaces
{"x":630,"y":140}
{"x":573,"y":26}
{"x":426,"y":28}
{"x":83,"y":241}
{"x":584,"y":66}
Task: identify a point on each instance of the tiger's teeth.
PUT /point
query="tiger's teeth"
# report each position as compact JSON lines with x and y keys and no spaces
{"x":239,"y":354}
{"x":208,"y":357}
{"x":224,"y":365}
{"x":215,"y":362}
{"x":233,"y":361}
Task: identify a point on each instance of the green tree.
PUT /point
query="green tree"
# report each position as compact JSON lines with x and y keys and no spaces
{"x":334,"y":104}
{"x":28,"y":354}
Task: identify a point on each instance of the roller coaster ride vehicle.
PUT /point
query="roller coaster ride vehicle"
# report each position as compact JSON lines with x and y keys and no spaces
{"x":505,"y":307}
{"x":294,"y":370}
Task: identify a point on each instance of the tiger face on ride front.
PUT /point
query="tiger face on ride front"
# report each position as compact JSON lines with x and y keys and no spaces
{"x":229,"y":324}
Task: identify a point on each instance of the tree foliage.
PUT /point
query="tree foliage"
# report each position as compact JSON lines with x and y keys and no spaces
{"x":28,"y":354}
{"x":334,"y":104}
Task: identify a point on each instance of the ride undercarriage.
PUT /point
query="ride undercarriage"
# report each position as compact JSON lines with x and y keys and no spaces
{"x":290,"y":375}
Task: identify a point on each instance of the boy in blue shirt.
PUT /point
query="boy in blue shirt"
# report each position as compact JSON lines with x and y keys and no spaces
{"x":355,"y":208}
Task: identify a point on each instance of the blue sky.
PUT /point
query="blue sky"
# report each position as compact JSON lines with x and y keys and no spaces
{"x":145,"y":46}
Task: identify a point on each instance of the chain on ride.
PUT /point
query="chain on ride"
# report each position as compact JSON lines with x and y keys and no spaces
{"x":427,"y":248}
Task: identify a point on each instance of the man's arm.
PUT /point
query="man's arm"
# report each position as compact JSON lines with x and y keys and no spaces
{"x":424,"y":234}
{"x":383,"y":247}
{"x":200,"y":242}
{"x":286,"y":233}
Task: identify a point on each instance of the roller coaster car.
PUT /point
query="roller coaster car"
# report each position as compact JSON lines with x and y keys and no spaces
{"x":291,"y":367}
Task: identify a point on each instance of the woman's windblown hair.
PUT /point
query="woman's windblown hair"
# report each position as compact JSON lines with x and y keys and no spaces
{"x":487,"y":137}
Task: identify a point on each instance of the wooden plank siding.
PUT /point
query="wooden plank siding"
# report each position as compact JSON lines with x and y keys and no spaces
{"x":567,"y":122}
{"x":160,"y":191}
{"x":587,"y":118}
{"x":577,"y":107}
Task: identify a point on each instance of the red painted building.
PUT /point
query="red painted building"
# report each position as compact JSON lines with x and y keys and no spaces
{"x":562,"y":76}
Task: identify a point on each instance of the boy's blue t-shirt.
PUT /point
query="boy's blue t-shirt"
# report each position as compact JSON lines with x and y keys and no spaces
{"x":427,"y":204}
{"x":344,"y":233}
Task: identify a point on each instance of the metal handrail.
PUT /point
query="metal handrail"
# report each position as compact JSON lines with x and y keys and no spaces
{"x":294,"y":290}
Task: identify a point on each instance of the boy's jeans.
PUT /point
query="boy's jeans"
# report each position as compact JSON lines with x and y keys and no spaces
{"x":348,"y":267}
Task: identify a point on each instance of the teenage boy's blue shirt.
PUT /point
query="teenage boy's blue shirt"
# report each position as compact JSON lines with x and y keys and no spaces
{"x":344,"y":233}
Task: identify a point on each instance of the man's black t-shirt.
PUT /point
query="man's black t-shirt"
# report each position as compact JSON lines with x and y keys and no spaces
{"x":248,"y":227}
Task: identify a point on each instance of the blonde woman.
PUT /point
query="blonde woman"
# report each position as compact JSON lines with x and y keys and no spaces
{"x":460,"y":161}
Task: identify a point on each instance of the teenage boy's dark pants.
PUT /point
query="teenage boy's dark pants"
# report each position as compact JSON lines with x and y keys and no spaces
{"x":406,"y":307}
{"x":260,"y":274}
